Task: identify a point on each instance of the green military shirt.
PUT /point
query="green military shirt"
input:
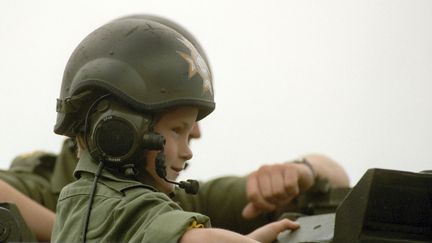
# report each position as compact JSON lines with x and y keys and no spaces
{"x":41,"y":175}
{"x":123,"y":210}
{"x":223,"y":200}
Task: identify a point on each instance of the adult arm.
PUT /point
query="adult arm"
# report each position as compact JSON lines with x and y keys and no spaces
{"x":39,"y":219}
{"x":326,"y":167}
{"x":27,"y":184}
{"x":274,"y":186}
{"x":223,"y":199}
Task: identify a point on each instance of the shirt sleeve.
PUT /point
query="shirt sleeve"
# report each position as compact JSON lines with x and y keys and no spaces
{"x":223,"y":200}
{"x":132,"y":215}
{"x":158,"y":218}
{"x":30,"y":174}
{"x":170,"y":226}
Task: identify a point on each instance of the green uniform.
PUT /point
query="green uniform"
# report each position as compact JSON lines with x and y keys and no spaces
{"x":123,"y":210}
{"x":223,"y":200}
{"x":42,"y":175}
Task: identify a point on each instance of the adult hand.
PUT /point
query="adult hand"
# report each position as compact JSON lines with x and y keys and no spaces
{"x":274,"y":186}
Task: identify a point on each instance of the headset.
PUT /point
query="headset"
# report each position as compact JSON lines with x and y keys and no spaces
{"x":119,"y":136}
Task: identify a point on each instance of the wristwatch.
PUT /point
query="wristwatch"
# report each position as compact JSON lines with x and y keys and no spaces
{"x":308,"y":164}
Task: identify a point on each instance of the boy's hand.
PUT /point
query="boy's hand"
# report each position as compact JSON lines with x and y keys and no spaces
{"x":275,"y":186}
{"x":269,"y":232}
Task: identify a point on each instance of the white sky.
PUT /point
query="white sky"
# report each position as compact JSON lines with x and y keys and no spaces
{"x":350,"y":79}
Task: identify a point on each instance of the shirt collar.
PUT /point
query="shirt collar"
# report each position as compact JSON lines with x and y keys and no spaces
{"x":86,"y":164}
{"x":64,"y":166}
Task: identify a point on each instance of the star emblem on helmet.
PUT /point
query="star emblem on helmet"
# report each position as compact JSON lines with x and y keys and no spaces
{"x":196,"y":65}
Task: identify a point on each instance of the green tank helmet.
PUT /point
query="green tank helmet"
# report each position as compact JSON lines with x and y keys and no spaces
{"x":141,"y":60}
{"x":176,"y":27}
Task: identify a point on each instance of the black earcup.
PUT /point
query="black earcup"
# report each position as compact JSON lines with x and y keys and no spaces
{"x":115,"y":138}
{"x":119,"y":136}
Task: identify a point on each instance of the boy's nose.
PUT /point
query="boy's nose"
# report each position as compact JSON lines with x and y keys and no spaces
{"x":187,"y":153}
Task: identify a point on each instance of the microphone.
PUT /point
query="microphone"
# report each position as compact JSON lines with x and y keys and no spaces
{"x":190,"y":186}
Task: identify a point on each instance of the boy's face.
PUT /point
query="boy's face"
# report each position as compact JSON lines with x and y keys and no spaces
{"x":176,"y":126}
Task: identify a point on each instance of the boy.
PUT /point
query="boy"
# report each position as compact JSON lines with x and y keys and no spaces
{"x":40,"y":176}
{"x":130,"y":95}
